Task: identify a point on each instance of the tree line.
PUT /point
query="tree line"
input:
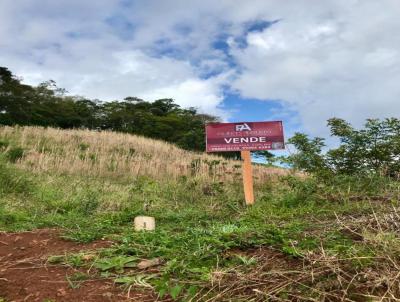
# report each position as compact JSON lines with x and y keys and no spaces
{"x":49,"y":106}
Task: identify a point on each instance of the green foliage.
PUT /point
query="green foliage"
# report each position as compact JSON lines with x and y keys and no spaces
{"x":14,"y":154}
{"x":88,"y":203}
{"x":13,"y":181}
{"x":83,"y":146}
{"x":175,"y":291}
{"x":47,"y":105}
{"x":309,"y":157}
{"x":372,"y":150}
{"x":179,"y":292}
{"x":117,"y":263}
{"x":337,"y":188}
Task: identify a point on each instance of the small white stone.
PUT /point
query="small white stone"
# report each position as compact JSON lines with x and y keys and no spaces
{"x":144,"y":223}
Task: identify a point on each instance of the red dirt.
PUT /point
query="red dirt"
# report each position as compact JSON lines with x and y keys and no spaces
{"x":25,"y":274}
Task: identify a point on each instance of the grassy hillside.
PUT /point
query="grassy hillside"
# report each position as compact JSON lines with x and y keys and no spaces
{"x":110,"y":154}
{"x":304,"y":239}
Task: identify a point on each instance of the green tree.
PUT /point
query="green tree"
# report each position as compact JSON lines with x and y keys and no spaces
{"x":15,"y":105}
{"x":375,"y":149}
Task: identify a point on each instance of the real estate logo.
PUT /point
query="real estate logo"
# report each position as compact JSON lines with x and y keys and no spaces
{"x":242,"y":127}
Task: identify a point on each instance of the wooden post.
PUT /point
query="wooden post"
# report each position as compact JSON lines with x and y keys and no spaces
{"x":247,"y":177}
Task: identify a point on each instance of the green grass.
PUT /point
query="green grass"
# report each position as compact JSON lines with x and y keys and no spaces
{"x":195,"y":229}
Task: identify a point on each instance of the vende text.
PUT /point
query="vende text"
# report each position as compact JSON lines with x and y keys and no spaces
{"x":241,"y":140}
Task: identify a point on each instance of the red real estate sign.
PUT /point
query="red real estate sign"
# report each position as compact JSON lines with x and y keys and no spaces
{"x":246,"y":136}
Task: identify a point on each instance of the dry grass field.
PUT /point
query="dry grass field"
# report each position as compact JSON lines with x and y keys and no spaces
{"x":113,"y":154}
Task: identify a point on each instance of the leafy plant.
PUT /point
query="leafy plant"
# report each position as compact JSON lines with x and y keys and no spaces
{"x":372,"y":150}
{"x":175,"y":291}
{"x":117,"y":263}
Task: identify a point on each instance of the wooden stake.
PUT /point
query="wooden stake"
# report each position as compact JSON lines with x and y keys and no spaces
{"x":247,"y":177}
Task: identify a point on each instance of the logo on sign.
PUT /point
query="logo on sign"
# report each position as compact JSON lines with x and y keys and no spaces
{"x":242,"y":127}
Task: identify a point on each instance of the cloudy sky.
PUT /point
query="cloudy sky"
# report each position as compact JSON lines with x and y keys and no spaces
{"x":302,"y":61}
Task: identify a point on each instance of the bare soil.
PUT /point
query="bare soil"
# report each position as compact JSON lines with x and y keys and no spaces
{"x":25,"y":274}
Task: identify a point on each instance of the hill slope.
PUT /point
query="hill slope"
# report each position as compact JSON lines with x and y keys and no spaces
{"x":113,"y":154}
{"x":305,"y":239}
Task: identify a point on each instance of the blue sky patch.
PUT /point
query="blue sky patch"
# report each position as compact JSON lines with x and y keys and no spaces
{"x":121,"y":26}
{"x":258,"y":25}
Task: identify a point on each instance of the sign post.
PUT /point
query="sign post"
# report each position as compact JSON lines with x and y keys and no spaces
{"x":245,"y":137}
{"x":247,"y":177}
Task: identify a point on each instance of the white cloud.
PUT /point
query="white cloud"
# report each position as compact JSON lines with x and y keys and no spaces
{"x":323,"y":58}
{"x":329,"y":60}
{"x":96,"y":63}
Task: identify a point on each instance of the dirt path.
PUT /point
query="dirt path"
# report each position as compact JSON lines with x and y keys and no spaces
{"x":25,"y":274}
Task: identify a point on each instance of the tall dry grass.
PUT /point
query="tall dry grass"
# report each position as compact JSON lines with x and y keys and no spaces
{"x":113,"y":154}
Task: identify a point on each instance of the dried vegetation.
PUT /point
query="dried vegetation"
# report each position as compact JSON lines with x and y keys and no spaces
{"x":113,"y":154}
